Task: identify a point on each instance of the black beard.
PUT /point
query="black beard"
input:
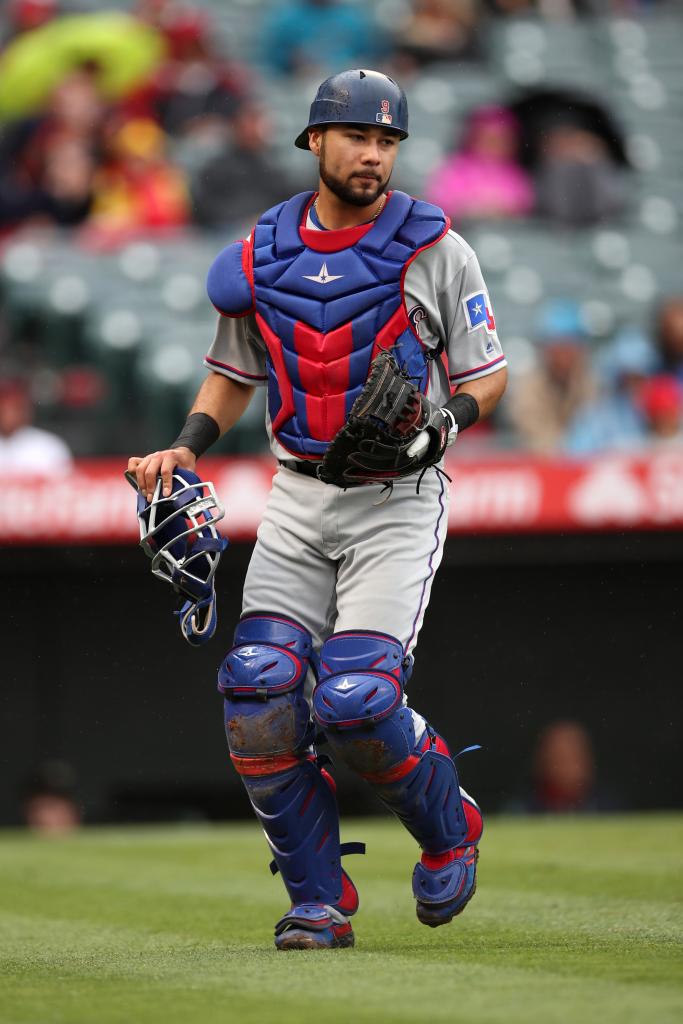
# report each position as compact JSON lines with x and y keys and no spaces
{"x":343,"y":191}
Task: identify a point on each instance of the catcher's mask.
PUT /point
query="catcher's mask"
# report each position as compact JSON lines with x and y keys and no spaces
{"x":179,"y":534}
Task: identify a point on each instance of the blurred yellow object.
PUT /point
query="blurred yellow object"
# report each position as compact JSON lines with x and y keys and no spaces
{"x":128,"y":198}
{"x":125,"y":51}
{"x":140,"y":137}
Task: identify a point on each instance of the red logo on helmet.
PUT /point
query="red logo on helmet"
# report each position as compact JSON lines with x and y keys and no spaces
{"x":383,"y":116}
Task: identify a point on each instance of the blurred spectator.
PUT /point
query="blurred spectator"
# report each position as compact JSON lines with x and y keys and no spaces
{"x":196,"y":88}
{"x":545,"y":400}
{"x":47,"y":163}
{"x":437,"y":30}
{"x":511,"y":7}
{"x":564,"y":774}
{"x":661,"y":400}
{"x":576,"y":149}
{"x":49,"y":803}
{"x":25,"y":15}
{"x":483,"y":179}
{"x":311,"y":37}
{"x":670,"y":336}
{"x":237,"y":184}
{"x":561,"y":10}
{"x":616,"y":419}
{"x":564,"y":768}
{"x":577,"y":181}
{"x":137,"y":189}
{"x":157,"y":13}
{"x":26,"y":450}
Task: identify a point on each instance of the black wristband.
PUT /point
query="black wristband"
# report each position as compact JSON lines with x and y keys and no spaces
{"x":198,"y":434}
{"x":465,"y":409}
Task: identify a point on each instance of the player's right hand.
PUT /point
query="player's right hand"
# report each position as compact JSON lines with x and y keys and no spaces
{"x":148,"y":469}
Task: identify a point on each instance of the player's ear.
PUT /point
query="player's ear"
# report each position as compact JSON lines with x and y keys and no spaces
{"x":315,"y":137}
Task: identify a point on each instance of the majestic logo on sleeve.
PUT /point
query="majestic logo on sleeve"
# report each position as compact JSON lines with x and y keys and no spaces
{"x":479,"y":312}
{"x":322,"y":277}
{"x":416,"y":315}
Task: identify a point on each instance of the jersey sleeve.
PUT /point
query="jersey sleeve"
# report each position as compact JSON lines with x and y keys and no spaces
{"x":238,"y":351}
{"x":473,"y":347}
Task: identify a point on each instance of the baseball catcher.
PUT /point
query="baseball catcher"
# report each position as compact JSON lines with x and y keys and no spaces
{"x":367,"y":320}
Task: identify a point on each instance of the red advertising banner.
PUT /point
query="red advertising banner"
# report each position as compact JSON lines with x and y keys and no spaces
{"x":95,"y":505}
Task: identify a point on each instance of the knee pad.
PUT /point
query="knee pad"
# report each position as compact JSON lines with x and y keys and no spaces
{"x":359,"y":701}
{"x":359,"y":704}
{"x":262,"y":679}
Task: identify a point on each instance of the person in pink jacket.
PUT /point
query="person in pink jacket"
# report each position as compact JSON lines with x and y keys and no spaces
{"x":483,"y":179}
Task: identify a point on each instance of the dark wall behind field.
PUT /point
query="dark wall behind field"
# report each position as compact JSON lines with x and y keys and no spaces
{"x":518,"y":633}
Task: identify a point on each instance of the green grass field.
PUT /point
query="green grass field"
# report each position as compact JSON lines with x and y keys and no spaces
{"x":573,"y":921}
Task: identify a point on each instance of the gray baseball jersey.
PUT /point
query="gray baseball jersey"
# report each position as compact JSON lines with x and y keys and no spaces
{"x":443,"y":287}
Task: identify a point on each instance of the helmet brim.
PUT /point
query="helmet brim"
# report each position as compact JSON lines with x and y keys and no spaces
{"x":301,"y":141}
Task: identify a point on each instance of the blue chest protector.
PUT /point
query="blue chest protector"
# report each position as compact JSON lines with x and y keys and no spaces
{"x":325,"y":302}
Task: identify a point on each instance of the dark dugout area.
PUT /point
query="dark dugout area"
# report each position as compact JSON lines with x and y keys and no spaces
{"x":520,"y":632}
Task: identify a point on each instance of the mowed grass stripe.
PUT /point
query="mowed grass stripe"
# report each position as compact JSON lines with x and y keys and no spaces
{"x":163,"y":982}
{"x":214,"y":985}
{"x":508,"y":912}
{"x":175,"y":924}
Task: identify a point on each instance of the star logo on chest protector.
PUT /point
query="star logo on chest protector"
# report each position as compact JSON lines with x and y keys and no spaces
{"x":322,"y":277}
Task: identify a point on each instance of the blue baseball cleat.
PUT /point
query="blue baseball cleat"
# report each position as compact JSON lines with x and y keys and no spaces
{"x":313,"y":926}
{"x":318,"y":925}
{"x":444,"y":884}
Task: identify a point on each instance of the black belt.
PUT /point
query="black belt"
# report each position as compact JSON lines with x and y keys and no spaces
{"x":306,"y":468}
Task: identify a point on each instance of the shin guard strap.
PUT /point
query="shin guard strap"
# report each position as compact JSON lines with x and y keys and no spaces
{"x":268,"y":765}
{"x":399,"y":771}
{"x":427,"y":796}
{"x":344,"y":849}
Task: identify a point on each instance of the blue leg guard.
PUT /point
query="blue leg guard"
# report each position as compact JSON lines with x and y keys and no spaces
{"x":267,"y":722}
{"x":359,"y":704}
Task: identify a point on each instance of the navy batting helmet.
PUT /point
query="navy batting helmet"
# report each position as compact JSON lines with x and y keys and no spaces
{"x":358,"y":97}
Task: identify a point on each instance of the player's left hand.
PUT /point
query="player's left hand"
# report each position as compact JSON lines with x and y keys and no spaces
{"x":393,"y":431}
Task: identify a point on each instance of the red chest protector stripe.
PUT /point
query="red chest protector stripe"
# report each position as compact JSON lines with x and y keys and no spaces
{"x":287,"y":408}
{"x":325,"y":411}
{"x":325,"y":414}
{"x":392,"y":331}
{"x":400,"y":321}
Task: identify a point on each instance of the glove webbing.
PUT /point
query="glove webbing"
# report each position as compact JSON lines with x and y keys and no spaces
{"x":379,"y":391}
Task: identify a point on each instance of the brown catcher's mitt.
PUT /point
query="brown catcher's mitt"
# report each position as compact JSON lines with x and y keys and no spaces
{"x":379,"y":441}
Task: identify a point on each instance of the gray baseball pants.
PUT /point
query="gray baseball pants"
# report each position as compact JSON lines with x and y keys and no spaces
{"x":338,"y":559}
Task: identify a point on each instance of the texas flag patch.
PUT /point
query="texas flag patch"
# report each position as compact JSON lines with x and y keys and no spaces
{"x":479,"y":312}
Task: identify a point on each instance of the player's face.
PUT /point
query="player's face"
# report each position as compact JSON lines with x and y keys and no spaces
{"x":356,"y":161}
